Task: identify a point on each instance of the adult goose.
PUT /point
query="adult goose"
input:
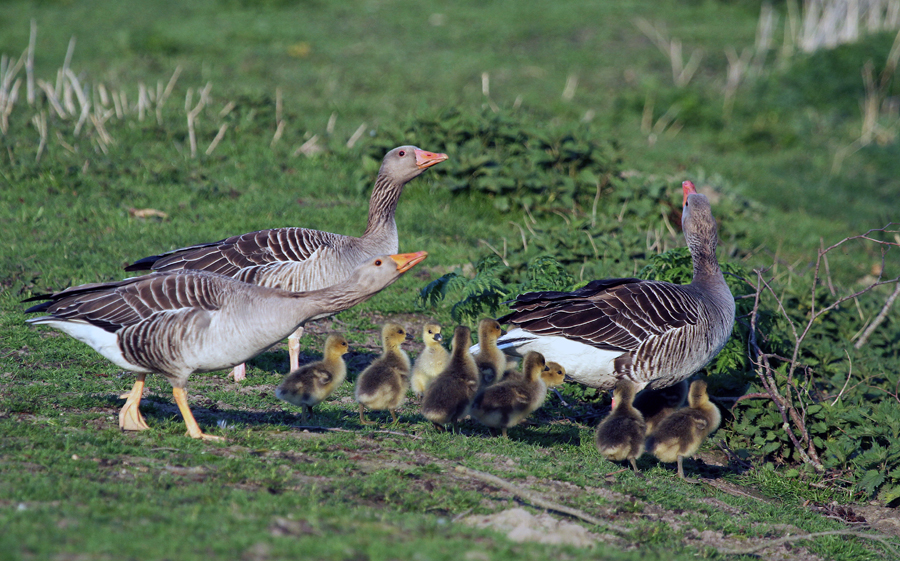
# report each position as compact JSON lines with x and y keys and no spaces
{"x":298,"y":259}
{"x":652,"y":333}
{"x":180,"y":322}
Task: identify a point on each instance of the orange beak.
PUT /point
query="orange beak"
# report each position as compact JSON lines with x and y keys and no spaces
{"x":425,"y":159}
{"x":406,"y":261}
{"x":689,"y":189}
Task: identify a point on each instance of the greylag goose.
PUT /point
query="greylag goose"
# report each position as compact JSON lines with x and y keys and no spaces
{"x":449,"y":396}
{"x":180,"y":322}
{"x":313,"y":382}
{"x":298,"y":259}
{"x":508,"y":403}
{"x":621,"y":435}
{"x":656,"y":405}
{"x":650,"y":332}
{"x":681,"y":433}
{"x":431,"y":361}
{"x":490,"y":360}
{"x":383,"y":384}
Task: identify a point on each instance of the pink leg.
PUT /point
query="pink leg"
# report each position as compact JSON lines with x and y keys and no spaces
{"x":130,"y":417}
{"x":239,"y":372}
{"x":294,"y":349}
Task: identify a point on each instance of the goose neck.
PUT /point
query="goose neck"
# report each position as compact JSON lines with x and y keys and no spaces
{"x":382,"y":206}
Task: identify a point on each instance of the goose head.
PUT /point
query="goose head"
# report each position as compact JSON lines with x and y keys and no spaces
{"x":380,"y":272}
{"x":404,"y":163}
{"x":533,"y":366}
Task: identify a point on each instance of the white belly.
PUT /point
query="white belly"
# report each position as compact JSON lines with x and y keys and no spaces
{"x":102,"y":341}
{"x":583,"y":363}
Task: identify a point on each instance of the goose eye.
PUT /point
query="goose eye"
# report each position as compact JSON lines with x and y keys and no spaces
{"x":378,"y":262}
{"x":401,"y":153}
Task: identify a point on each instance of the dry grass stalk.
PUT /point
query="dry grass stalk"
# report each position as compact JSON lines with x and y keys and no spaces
{"x":682,"y":72}
{"x":279,"y":127}
{"x":486,"y":92}
{"x":192,"y":114}
{"x":161,"y":99}
{"x":29,"y":63}
{"x":217,"y":139}
{"x":228,"y":108}
{"x":61,"y":73}
{"x":7,"y":101}
{"x":880,"y":111}
{"x":51,"y":99}
{"x":309,"y":147}
{"x":569,"y":90}
{"x":40,"y":123}
{"x":356,"y":135}
{"x":829,"y":23}
{"x":143,"y":101}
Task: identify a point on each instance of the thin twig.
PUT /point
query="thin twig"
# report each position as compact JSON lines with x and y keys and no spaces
{"x":537,"y":500}
{"x":879,"y":318}
{"x":882,"y":539}
{"x":314,"y":428}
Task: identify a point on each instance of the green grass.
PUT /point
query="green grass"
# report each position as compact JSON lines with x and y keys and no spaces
{"x":72,"y":484}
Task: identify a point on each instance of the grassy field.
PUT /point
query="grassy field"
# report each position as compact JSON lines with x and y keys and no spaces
{"x":303,"y":97}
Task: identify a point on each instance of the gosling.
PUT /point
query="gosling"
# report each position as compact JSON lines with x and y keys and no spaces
{"x":508,"y":403}
{"x":490,"y":360}
{"x":431,"y":361}
{"x":314,"y":382}
{"x":681,"y":433}
{"x":383,"y":384}
{"x":448,"y":398}
{"x":621,"y":435}
{"x":656,"y":405}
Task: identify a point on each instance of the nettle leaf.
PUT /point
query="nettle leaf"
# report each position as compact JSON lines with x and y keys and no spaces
{"x":870,"y":481}
{"x":889,"y":493}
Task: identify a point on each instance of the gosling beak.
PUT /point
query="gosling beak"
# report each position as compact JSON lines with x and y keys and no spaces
{"x":426,"y":159}
{"x":688,"y":188}
{"x":438,"y":337}
{"x":406,"y":261}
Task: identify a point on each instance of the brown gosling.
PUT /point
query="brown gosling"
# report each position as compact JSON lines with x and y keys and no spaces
{"x":383,"y":384}
{"x":681,"y":433}
{"x":621,"y":435}
{"x":656,"y":405}
{"x":490,"y":360}
{"x":431,"y":361}
{"x":448,"y":398}
{"x":508,"y":403}
{"x":313,"y":382}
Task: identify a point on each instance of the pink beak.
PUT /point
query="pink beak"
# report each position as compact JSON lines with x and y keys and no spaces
{"x":426,"y":159}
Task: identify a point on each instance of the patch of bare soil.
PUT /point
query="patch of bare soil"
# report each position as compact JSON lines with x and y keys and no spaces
{"x":519,"y":525}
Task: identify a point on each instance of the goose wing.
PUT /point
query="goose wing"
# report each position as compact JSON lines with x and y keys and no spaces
{"x":231,"y":255}
{"x":112,"y":306}
{"x":609,"y":314}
